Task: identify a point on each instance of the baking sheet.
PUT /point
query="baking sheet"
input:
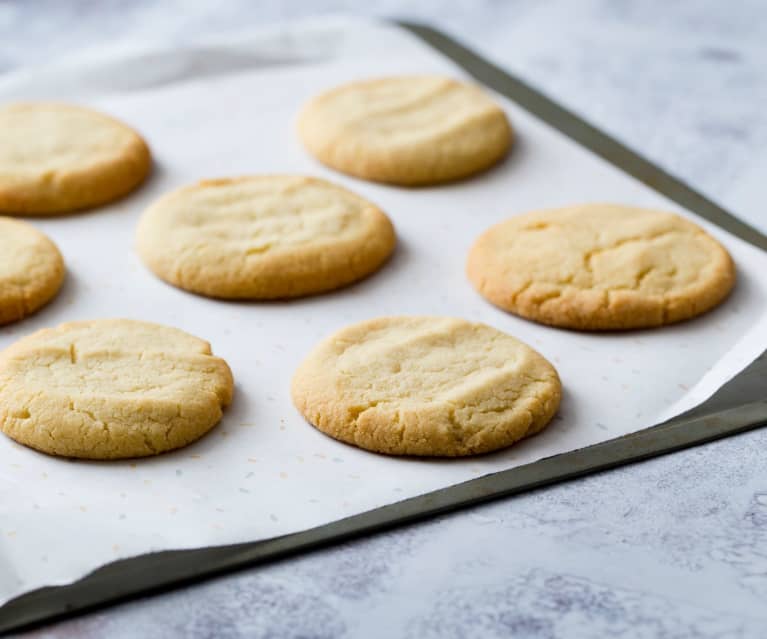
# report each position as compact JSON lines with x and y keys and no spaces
{"x":263,"y":471}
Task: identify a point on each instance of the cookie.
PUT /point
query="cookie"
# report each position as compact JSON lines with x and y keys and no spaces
{"x":406,"y":130}
{"x":31,"y":270}
{"x":263,"y":237}
{"x":57,"y":158}
{"x":428,"y":386}
{"x":601,"y":267}
{"x":110,"y":389}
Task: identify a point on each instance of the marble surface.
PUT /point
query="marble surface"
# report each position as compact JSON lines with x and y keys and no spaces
{"x":673,"y":547}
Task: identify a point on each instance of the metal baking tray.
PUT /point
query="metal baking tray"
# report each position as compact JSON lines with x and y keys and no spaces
{"x":738,"y":406}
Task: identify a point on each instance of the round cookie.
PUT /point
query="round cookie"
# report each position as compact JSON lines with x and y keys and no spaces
{"x":406,"y":130}
{"x":110,"y":389}
{"x":601,"y":267}
{"x":263,"y":237}
{"x":31,"y":270}
{"x":428,"y":386}
{"x":56,"y":158}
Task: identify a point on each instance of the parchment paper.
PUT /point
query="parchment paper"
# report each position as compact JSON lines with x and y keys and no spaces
{"x":228,"y":109}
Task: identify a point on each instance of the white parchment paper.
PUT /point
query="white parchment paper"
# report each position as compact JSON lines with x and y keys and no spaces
{"x":228,"y":109}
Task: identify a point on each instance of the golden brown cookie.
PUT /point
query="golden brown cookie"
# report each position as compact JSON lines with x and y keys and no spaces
{"x":426,"y":386}
{"x":263,"y":237}
{"x":31,"y":270}
{"x":56,"y":158}
{"x":601,"y":267}
{"x":109,"y":389}
{"x":407,"y":130}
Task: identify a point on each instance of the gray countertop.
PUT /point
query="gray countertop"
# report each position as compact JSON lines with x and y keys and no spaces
{"x":673,"y":547}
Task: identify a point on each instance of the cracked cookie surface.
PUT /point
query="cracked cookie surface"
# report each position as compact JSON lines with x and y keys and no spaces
{"x":264,"y":237}
{"x":427,"y":386}
{"x":57,"y":158}
{"x":31,"y":270}
{"x":407,"y":130}
{"x":601,"y":267}
{"x":110,"y":389}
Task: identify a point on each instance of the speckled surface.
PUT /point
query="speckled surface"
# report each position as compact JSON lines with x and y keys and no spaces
{"x":674,"y":547}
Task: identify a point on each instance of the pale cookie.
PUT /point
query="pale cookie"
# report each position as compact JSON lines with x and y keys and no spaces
{"x":31,"y":270}
{"x":426,"y":386}
{"x":109,"y":389}
{"x":57,"y":158}
{"x":407,"y":130}
{"x":263,"y":237}
{"x":601,"y":267}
